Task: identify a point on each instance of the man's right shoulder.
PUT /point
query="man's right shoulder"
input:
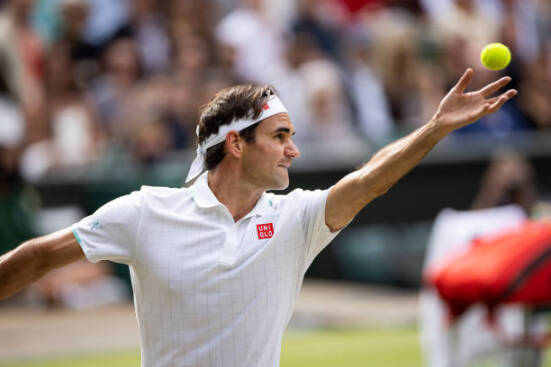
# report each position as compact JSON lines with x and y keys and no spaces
{"x":163,"y":198}
{"x":163,"y":192}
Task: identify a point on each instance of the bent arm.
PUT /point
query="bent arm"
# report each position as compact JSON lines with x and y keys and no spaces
{"x":36,"y":257}
{"x":387,"y":166}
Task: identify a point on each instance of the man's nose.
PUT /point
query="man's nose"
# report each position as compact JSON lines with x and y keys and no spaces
{"x":292,"y":150}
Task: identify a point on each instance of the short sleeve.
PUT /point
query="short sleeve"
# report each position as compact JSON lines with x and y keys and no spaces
{"x":111,"y":232}
{"x":311,"y":211}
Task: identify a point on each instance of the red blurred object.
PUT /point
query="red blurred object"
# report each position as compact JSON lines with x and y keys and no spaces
{"x":356,"y":5}
{"x":511,"y":267}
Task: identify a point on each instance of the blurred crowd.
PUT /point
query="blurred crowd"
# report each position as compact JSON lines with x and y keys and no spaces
{"x":83,"y":79}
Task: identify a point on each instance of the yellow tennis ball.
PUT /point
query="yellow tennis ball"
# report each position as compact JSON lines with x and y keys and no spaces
{"x":495,"y":56}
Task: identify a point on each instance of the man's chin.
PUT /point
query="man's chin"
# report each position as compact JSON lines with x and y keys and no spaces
{"x":280,"y":184}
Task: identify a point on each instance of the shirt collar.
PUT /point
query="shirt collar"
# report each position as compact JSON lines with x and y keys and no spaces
{"x":202,"y":193}
{"x":205,"y":198}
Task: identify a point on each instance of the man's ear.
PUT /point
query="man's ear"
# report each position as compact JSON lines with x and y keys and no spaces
{"x":234,"y":144}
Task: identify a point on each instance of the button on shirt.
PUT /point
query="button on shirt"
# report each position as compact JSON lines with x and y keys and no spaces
{"x":209,"y":291}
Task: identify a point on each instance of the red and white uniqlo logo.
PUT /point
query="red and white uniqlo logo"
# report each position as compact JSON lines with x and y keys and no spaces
{"x":266,"y":106}
{"x":265,"y":230}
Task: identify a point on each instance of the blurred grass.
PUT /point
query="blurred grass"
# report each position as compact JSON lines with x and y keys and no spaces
{"x":328,"y":348}
{"x":352,"y":348}
{"x":389,"y":347}
{"x":123,"y":359}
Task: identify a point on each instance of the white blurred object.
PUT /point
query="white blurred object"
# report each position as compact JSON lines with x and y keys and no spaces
{"x":49,"y":220}
{"x":12,"y":125}
{"x":102,"y":292}
{"x":327,"y":111}
{"x":70,"y":145}
{"x":368,"y":93}
{"x":281,"y":11}
{"x":72,"y":130}
{"x":257,"y":43}
{"x":36,"y":160}
{"x":105,"y":19}
{"x":469,"y":339}
{"x":439,"y":8}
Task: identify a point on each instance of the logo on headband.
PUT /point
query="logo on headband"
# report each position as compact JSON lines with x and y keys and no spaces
{"x":266,"y":106}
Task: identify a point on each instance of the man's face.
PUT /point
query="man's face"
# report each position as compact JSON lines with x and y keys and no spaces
{"x":266,"y":161}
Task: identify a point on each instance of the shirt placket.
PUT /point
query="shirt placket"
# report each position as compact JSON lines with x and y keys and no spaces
{"x":231,"y":246}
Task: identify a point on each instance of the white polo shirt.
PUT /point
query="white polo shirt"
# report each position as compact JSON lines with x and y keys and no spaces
{"x":209,"y":291}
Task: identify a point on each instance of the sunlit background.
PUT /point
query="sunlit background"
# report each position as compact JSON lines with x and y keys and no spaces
{"x":99,"y":97}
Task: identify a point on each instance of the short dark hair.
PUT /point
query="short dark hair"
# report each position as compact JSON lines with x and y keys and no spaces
{"x":241,"y":101}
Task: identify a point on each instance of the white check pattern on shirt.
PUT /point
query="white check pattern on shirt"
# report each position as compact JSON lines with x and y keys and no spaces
{"x":207,"y":290}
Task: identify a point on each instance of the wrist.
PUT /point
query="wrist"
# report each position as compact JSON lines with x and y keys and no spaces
{"x":437,"y":127}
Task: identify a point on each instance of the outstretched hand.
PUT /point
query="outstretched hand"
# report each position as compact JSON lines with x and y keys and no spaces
{"x":458,"y":109}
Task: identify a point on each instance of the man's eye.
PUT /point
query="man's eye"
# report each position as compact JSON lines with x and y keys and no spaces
{"x":280,"y":137}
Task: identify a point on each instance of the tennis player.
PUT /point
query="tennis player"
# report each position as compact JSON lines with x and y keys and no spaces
{"x":216,"y":267}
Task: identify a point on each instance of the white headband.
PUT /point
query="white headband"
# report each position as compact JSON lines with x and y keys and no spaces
{"x":272,"y":107}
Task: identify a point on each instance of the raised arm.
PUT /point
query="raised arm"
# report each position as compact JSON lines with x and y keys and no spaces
{"x":386,"y":167}
{"x":34,"y":258}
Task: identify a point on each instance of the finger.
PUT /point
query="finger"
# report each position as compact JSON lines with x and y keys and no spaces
{"x":509,"y":94}
{"x":491,"y":101}
{"x":494,"y":87}
{"x":494,"y":104}
{"x":497,"y":104}
{"x":464,"y":81}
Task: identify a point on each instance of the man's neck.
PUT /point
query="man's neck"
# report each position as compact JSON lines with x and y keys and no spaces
{"x":230,"y":189}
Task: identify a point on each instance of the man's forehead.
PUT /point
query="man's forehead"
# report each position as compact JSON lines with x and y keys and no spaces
{"x":274,"y":122}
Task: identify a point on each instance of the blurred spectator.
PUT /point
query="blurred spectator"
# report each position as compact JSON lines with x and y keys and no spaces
{"x":327,"y":110}
{"x":74,"y":138}
{"x":143,"y":120}
{"x":466,"y":20}
{"x":84,"y":55}
{"x":193,"y":16}
{"x":151,"y":36}
{"x":366,"y":90}
{"x":314,"y":92}
{"x":518,"y":29}
{"x":121,"y":70}
{"x":543,"y":25}
{"x":107,"y":17}
{"x":318,"y":19}
{"x":508,"y":180}
{"x":257,"y":43}
{"x":151,"y":140}
{"x":535,"y":89}
{"x":396,"y":55}
{"x":461,"y":49}
{"x":46,"y":19}
{"x":22,"y":60}
{"x":166,"y":58}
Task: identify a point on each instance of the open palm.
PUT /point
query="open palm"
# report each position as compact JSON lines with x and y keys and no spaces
{"x":459,"y":109}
